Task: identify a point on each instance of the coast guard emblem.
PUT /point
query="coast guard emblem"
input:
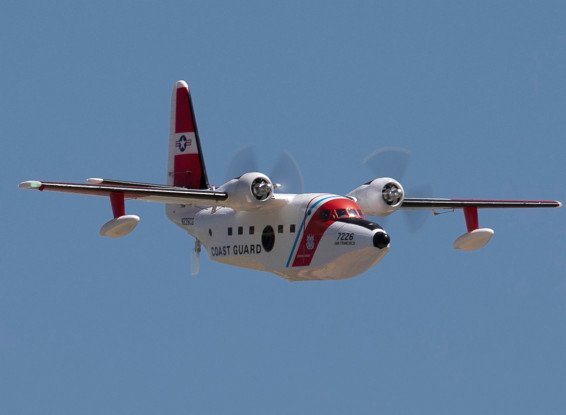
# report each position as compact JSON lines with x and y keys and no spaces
{"x":310,"y":242}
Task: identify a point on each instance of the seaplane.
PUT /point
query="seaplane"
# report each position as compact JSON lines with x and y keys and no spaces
{"x":250,"y":222}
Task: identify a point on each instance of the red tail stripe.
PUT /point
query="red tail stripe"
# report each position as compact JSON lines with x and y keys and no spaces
{"x":187,"y":171}
{"x":184,"y":112}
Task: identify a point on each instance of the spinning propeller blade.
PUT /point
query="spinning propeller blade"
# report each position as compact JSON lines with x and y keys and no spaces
{"x":288,"y":174}
{"x":393,"y":162}
{"x":244,"y":161}
{"x":195,"y":258}
{"x":285,"y":172}
{"x":415,"y":219}
{"x":388,"y":162}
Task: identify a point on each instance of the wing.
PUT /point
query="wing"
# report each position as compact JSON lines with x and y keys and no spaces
{"x":475,"y":237}
{"x":118,"y":191}
{"x":434,"y":203}
{"x":133,"y":190}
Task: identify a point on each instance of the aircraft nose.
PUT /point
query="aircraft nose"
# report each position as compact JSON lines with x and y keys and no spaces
{"x":381,"y":240}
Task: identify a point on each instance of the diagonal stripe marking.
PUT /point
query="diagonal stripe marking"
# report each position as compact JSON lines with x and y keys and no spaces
{"x":303,"y":224}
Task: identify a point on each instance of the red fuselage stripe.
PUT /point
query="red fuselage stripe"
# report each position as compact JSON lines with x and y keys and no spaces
{"x":315,"y":229}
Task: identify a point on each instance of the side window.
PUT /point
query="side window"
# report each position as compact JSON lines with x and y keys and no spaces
{"x":240,"y":230}
{"x":279,"y":228}
{"x":252,"y":230}
{"x":268,"y":238}
{"x":341,"y":213}
{"x":292,"y":228}
{"x":230,"y":231}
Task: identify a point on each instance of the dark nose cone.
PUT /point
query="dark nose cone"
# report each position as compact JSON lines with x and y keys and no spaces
{"x":381,"y":240}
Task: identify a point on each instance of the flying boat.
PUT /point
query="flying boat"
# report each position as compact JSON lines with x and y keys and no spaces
{"x":249,"y":222}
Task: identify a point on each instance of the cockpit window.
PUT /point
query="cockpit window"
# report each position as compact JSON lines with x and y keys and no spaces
{"x":339,"y":211}
{"x":352,"y":213}
{"x":324,"y":214}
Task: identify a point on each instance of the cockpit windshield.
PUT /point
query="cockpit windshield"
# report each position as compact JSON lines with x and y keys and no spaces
{"x":341,"y":213}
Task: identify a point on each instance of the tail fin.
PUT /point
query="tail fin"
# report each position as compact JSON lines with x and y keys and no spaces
{"x":186,"y":164}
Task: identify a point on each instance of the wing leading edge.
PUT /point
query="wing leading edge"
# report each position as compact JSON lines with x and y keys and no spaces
{"x":436,"y":203}
{"x":133,"y":190}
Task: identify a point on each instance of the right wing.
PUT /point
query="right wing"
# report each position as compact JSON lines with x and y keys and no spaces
{"x":119,"y":191}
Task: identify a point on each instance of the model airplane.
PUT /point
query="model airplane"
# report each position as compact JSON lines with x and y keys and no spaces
{"x":247,"y":223}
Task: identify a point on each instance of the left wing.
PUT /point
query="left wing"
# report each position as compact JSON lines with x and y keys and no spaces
{"x":133,"y":190}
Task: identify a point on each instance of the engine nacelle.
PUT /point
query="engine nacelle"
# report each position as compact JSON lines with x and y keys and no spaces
{"x":249,"y":191}
{"x":380,"y":197}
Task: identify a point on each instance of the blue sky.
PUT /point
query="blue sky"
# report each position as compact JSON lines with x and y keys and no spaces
{"x":475,"y":91}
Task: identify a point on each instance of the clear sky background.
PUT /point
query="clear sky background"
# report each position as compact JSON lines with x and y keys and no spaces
{"x":476,"y":91}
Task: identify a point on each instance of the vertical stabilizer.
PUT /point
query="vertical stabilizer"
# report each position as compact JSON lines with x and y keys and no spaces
{"x":186,"y":164}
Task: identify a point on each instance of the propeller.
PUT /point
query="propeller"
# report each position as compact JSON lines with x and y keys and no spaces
{"x":285,"y":172}
{"x":393,"y":162}
{"x":388,"y":162}
{"x":245,"y":160}
{"x":415,"y":219}
{"x":195,"y":258}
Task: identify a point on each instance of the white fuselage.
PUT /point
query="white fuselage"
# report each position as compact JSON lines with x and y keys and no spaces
{"x":299,"y":237}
